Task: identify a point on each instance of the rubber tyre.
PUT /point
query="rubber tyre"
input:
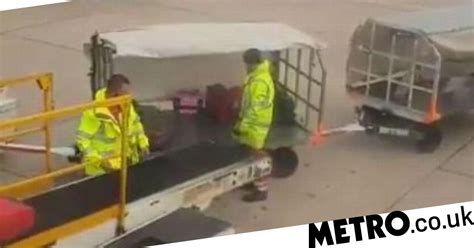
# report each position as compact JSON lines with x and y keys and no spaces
{"x":431,"y":139}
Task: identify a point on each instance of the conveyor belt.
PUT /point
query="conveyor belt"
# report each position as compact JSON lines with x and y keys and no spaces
{"x":181,"y":225}
{"x":90,"y":195}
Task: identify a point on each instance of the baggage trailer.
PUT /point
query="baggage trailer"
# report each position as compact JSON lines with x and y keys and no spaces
{"x":409,"y":71}
{"x":296,"y":57}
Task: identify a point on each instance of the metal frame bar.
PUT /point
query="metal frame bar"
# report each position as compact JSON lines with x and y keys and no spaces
{"x":384,"y":54}
{"x":306,"y":99}
{"x":322,"y":96}
{"x":45,"y":83}
{"x":297,"y":80}
{"x":370,"y":56}
{"x":413,"y":72}
{"x":22,"y":147}
{"x":379,"y":79}
{"x":102,"y":62}
{"x":289,"y":65}
{"x":297,"y":75}
{"x":8,"y":137}
{"x":48,"y":106}
{"x":100,"y":71}
{"x":390,"y":67}
{"x":413,"y":87}
{"x":294,"y":94}
{"x":94,"y":75}
{"x":64,"y":112}
{"x":124,"y":167}
{"x":21,"y":80}
{"x":29,"y":186}
{"x":308,"y":89}
{"x":436,"y":80}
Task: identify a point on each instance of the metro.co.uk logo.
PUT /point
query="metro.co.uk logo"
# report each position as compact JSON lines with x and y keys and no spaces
{"x":396,"y":223}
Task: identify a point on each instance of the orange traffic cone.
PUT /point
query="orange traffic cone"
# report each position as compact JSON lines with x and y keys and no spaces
{"x":432,"y":114}
{"x":318,"y":137}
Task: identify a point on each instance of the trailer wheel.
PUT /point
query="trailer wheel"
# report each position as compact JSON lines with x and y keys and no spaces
{"x":430,"y":140}
{"x":365,"y":119}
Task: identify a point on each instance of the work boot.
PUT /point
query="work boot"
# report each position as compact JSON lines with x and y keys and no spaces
{"x":256,"y":196}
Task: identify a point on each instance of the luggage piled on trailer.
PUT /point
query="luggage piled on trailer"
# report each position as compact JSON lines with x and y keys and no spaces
{"x":223,"y":104}
{"x":188,"y":101}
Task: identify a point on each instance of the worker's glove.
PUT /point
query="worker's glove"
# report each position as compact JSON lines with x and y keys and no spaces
{"x":77,"y":157}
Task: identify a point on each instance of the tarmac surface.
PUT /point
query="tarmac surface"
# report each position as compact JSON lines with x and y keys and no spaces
{"x":350,"y":175}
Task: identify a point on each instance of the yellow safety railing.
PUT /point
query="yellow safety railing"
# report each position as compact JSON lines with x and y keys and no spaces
{"x":23,"y":187}
{"x":45,"y":83}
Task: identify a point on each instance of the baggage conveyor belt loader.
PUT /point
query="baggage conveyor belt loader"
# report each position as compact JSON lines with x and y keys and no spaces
{"x":95,"y":209}
{"x":158,"y":187}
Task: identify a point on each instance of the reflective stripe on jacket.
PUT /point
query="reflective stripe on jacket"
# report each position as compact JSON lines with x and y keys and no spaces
{"x":99,"y":138}
{"x":256,"y":110}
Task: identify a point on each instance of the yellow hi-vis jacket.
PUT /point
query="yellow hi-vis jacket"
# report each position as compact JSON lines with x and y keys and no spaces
{"x":99,"y":138}
{"x":256,"y":109}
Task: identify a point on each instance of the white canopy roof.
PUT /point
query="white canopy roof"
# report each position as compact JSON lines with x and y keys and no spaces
{"x":433,"y":21}
{"x":451,"y":29}
{"x":176,"y":40}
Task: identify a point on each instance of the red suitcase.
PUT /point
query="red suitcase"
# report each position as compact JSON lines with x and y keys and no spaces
{"x":215,"y":99}
{"x":223,"y":104}
{"x":15,"y":218}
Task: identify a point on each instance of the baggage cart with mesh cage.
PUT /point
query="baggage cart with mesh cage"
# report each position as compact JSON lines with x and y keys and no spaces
{"x":407,"y":72}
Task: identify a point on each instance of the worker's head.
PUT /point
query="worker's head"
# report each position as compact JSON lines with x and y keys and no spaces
{"x":284,"y":162}
{"x":252,"y":57}
{"x":117,"y":85}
